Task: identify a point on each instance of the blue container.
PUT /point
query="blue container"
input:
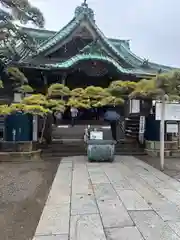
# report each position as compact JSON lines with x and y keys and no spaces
{"x":18,"y":127}
{"x":100,"y":150}
{"x":152,"y":132}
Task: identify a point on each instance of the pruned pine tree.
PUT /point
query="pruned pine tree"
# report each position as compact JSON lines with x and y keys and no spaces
{"x":166,"y":84}
{"x":10,"y":33}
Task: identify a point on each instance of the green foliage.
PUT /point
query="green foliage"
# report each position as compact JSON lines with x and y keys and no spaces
{"x":25,"y":89}
{"x":92,"y":96}
{"x":4,"y":110}
{"x":58,"y":90}
{"x":56,"y":105}
{"x":16,"y":75}
{"x":169,"y":83}
{"x":93,"y":92}
{"x":96,"y":95}
{"x":36,"y":110}
{"x":21,"y":10}
{"x":146,"y":89}
{"x":1,"y":84}
{"x":15,"y":107}
{"x":79,"y":102}
{"x":77,"y":92}
{"x":48,"y":104}
{"x":35,"y":99}
{"x":33,"y":109}
{"x":110,"y":101}
{"x":11,"y":34}
{"x":163,"y":84}
{"x":121,"y":88}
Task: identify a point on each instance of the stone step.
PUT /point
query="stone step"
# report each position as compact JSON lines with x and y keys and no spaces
{"x":79,"y":148}
{"x":76,"y":148}
{"x":65,"y":154}
{"x":68,"y":132}
{"x":85,"y":122}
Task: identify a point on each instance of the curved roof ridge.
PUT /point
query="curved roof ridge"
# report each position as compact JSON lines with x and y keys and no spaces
{"x":108,"y":42}
{"x":81,"y":57}
{"x":161,"y":66}
{"x":37,"y":29}
{"x":89,"y":56}
{"x":141,"y":60}
{"x":51,"y":40}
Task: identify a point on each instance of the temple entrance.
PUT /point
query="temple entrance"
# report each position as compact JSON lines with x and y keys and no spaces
{"x":92,"y":73}
{"x":81,"y":75}
{"x":93,"y":115}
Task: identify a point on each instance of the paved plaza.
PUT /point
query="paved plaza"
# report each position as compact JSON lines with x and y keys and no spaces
{"x":124,"y":200}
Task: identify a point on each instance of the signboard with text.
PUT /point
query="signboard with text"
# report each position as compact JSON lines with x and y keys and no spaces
{"x":172,"y":128}
{"x":172,"y":111}
{"x":96,"y":135}
{"x":142,"y":121}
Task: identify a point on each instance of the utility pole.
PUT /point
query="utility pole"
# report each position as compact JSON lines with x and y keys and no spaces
{"x":162,"y":122}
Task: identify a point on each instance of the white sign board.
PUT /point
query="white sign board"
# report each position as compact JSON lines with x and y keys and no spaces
{"x":17,"y":97}
{"x":172,"y":128}
{"x":172,"y":111}
{"x":142,"y":124}
{"x":96,"y":135}
{"x":134,"y":106}
{"x":35,"y":128}
{"x":141,"y":128}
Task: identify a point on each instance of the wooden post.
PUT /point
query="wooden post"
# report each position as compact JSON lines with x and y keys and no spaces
{"x":35,"y":128}
{"x":63,"y":80}
{"x":45,"y":81}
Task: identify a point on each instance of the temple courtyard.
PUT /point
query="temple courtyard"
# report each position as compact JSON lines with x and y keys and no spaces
{"x":127,"y":199}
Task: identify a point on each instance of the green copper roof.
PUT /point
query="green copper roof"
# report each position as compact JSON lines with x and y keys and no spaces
{"x":83,"y":57}
{"x":117,"y":49}
{"x":86,"y":57}
{"x":84,"y":14}
{"x":59,"y":35}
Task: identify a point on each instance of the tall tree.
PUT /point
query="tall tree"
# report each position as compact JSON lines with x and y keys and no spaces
{"x":10,"y":33}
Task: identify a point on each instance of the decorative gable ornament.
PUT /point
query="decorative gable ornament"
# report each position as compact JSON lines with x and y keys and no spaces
{"x":84,"y":9}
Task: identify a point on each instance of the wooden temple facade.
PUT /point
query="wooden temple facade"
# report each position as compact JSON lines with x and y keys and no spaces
{"x":80,"y":55}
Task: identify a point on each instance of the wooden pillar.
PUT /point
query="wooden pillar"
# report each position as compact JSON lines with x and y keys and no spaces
{"x":63,"y":80}
{"x":45,"y":81}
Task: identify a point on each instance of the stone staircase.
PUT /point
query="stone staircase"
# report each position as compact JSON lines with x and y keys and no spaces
{"x":132,"y":127}
{"x":77,"y":132}
{"x":58,"y":149}
{"x":69,"y":141}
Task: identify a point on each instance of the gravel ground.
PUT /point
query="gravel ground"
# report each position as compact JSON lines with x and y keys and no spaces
{"x":24,"y":188}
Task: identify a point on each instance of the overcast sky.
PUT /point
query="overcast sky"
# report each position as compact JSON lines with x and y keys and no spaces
{"x":153,"y":26}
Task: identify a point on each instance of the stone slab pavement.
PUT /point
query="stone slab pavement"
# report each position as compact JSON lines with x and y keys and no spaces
{"x":124,"y":200}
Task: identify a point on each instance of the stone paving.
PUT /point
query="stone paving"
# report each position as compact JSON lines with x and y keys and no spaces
{"x":124,"y":200}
